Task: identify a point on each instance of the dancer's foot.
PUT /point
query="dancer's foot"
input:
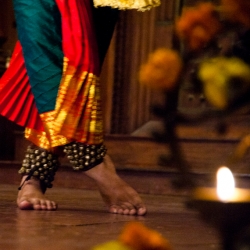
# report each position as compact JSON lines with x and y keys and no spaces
{"x":118,"y":195}
{"x":32,"y":197}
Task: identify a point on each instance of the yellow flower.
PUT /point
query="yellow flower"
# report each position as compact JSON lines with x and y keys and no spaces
{"x":162,"y":69}
{"x":217,"y":74}
{"x":237,"y":11}
{"x":138,"y":237}
{"x":112,"y":245}
{"x":198,"y":25}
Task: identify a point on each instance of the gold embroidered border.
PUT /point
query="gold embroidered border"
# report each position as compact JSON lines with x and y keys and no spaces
{"x":77,"y":115}
{"x":40,"y":139}
{"x":140,"y":5}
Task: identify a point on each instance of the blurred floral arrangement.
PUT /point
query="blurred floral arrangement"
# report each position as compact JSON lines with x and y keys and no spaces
{"x":211,"y":52}
{"x":136,"y":236}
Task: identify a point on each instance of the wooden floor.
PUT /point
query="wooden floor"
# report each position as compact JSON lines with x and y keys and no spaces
{"x":82,"y":222}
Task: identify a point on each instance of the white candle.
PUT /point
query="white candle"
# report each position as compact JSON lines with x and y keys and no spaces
{"x":225,"y":192}
{"x":225,"y":184}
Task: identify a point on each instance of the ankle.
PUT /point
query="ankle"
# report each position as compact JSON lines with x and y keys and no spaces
{"x":32,"y":183}
{"x":103,"y":172}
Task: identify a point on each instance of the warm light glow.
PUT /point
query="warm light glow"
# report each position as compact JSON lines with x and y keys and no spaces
{"x":225,"y":184}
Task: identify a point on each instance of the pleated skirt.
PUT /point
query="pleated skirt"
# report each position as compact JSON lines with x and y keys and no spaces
{"x":52,"y":84}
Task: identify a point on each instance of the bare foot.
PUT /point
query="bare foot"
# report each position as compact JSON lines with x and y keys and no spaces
{"x":32,"y":197}
{"x":118,"y":195}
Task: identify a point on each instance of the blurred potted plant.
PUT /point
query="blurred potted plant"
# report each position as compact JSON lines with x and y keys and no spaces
{"x":213,"y":55}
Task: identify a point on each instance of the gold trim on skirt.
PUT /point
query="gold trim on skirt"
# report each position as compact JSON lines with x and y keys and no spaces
{"x":141,"y":5}
{"x":77,"y":115}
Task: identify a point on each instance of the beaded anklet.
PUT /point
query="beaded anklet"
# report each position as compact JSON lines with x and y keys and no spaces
{"x":41,"y":164}
{"x":84,"y":157}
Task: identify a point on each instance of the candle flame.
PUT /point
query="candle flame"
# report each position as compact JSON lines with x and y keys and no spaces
{"x":225,"y":183}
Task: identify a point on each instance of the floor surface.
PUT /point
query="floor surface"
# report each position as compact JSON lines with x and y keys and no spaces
{"x":82,"y":222}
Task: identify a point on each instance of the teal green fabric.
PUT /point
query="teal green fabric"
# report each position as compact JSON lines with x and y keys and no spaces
{"x":39,"y":31}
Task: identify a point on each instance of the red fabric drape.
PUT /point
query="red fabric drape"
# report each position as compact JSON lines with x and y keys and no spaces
{"x":16,"y":100}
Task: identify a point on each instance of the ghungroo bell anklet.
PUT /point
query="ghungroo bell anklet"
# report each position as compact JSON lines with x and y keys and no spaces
{"x":84,"y":157}
{"x":41,"y":164}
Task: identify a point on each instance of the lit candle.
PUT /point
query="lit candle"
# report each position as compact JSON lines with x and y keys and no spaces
{"x":225,"y":190}
{"x":225,"y":184}
{"x":226,"y":207}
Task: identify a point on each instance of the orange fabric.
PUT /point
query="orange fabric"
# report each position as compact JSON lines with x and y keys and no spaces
{"x":78,"y":91}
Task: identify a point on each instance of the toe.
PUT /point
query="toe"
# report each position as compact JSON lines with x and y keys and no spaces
{"x":50,"y":205}
{"x":38,"y":205}
{"x":123,"y":210}
{"x":128,"y":209}
{"x":141,"y":210}
{"x":25,"y":205}
{"x":113,"y":209}
{"x":132,"y":211}
{"x":43,"y":204}
{"x":53,"y":205}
